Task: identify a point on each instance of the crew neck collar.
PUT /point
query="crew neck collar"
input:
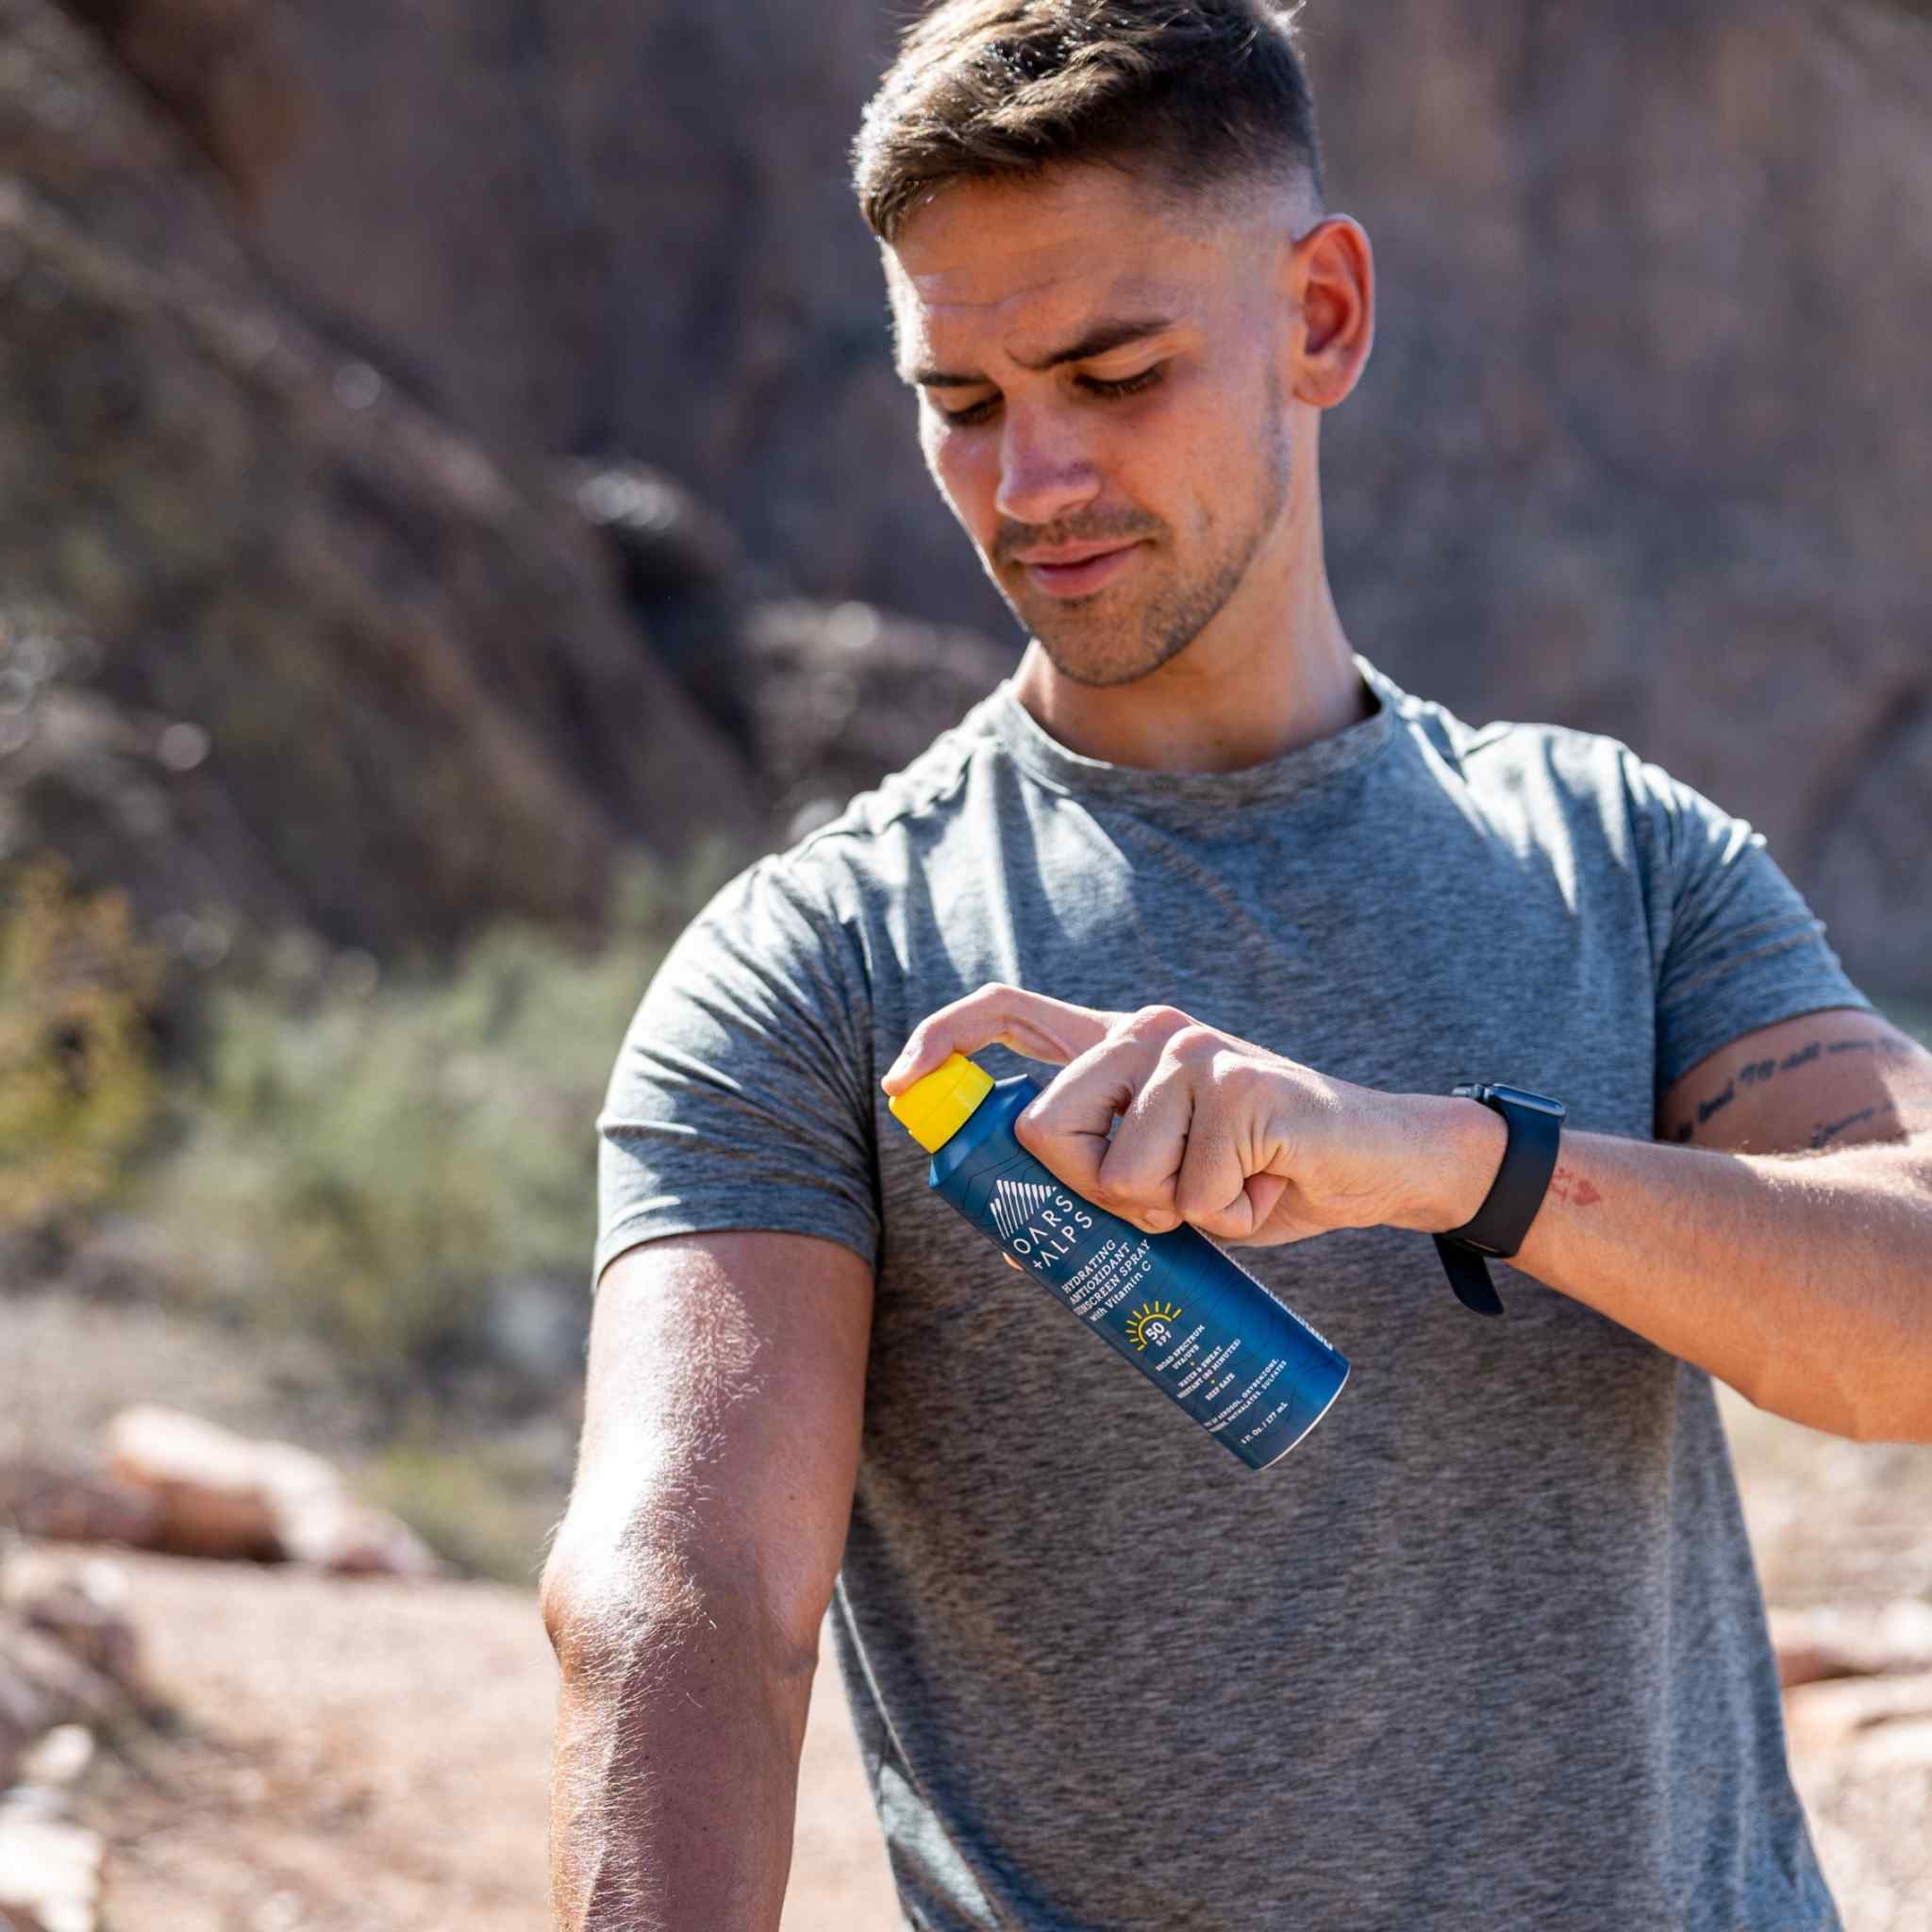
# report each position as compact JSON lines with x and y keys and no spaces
{"x":1137,"y":787}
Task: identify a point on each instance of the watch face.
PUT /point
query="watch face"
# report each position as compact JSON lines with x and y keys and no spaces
{"x":1539,"y":1103}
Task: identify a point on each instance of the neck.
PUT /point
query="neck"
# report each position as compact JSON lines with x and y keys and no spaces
{"x":1260,"y":680}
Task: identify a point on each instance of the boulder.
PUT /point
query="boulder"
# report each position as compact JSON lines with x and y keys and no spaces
{"x":1823,"y":1642}
{"x":219,"y":1494}
{"x":51,"y":1873}
{"x":38,"y":1500}
{"x":211,"y":1490}
{"x":83,"y":1608}
{"x":44,"y":1684}
{"x":329,"y":1531}
{"x":1883,"y":1718}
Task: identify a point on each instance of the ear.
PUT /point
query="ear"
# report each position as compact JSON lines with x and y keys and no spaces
{"x":1331,"y":273}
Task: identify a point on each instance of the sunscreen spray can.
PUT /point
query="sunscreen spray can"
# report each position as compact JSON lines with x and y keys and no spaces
{"x":1196,"y":1323}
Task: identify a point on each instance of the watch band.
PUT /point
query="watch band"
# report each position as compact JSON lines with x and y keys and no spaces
{"x":1500,"y":1225}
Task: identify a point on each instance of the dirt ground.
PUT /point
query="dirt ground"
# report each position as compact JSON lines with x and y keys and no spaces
{"x":374,"y":1755}
{"x":371,"y":1756}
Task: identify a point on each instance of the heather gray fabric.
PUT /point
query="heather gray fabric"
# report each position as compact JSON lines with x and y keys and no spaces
{"x":1488,"y":1648}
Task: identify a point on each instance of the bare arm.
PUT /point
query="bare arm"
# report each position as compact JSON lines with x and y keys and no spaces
{"x":687,"y":1583}
{"x":1780,"y":1239}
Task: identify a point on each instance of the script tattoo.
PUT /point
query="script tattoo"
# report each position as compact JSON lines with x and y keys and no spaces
{"x":1716,"y":1103}
{"x":1758,"y":1072}
{"x":1568,"y":1185}
{"x":1825,"y":1132}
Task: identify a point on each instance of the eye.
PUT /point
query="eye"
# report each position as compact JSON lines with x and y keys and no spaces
{"x":971,"y":414}
{"x":976,"y":413}
{"x":1127,"y":386}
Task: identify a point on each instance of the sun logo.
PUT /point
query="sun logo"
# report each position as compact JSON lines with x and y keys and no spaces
{"x":1153,"y":1321}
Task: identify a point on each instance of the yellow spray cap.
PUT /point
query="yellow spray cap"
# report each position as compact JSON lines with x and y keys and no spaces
{"x":933,"y":1109}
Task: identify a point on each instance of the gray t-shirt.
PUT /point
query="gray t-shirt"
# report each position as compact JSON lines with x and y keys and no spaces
{"x":1488,"y":1648}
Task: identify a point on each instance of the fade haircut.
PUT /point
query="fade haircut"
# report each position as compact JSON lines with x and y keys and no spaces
{"x":1198,"y":96}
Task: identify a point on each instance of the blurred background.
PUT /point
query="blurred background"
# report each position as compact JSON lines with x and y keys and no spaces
{"x":455,"y":508}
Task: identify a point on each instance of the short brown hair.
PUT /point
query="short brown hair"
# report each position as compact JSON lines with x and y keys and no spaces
{"x":1207,"y":93}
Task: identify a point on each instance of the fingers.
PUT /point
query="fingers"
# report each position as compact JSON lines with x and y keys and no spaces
{"x":1235,"y":1166}
{"x":1139,"y":1167}
{"x":1126,"y":1076}
{"x":1066,"y":1128}
{"x":1153,"y":1117}
{"x":1031,"y":1023}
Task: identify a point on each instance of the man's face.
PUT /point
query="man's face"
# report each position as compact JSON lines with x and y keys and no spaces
{"x":1102,"y":404}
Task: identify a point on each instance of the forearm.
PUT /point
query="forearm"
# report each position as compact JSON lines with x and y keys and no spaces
{"x":675,"y":1777}
{"x":1803,"y":1281}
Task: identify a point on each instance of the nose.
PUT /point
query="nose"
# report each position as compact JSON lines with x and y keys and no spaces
{"x":1045,"y":470}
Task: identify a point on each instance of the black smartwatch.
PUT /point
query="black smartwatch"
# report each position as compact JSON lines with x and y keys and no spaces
{"x":1500,"y":1225}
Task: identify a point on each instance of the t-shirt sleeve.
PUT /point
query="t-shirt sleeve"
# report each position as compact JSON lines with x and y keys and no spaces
{"x":1736,"y":946}
{"x":741,"y":1093}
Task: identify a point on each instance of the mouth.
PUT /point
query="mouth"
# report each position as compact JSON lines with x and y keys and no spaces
{"x":1079,"y":572}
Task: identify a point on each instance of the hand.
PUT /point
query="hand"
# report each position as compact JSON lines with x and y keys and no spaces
{"x":1248,"y":1146}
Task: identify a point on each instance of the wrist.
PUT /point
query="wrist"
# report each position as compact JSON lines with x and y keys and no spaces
{"x":1458,"y":1148}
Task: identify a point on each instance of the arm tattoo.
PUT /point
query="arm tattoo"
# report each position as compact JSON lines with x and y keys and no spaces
{"x":1718,"y":1102}
{"x":1757,"y":1071}
{"x":1568,"y":1185}
{"x":1827,"y":1131}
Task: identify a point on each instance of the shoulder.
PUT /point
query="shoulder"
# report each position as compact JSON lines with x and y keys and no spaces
{"x":1555,"y":783}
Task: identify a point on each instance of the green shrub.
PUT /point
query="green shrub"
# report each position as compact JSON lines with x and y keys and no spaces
{"x":76,"y":1084}
{"x":373,"y":1164}
{"x":480,"y":1501}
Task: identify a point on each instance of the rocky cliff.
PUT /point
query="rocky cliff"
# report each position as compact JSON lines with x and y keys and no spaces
{"x":1643,"y":447}
{"x":271,"y":631}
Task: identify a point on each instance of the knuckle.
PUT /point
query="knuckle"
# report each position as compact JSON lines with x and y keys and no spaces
{"x":1156,"y":1021}
{"x":1240,"y":1076}
{"x":1194,"y":1041}
{"x":1193,"y":1202}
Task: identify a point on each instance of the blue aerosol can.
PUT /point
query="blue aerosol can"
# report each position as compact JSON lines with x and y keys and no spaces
{"x":1195,"y":1323}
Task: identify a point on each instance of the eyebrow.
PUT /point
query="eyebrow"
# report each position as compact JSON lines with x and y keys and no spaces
{"x":1098,"y":340}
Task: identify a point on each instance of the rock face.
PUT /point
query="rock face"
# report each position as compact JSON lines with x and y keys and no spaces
{"x":214,"y":66}
{"x":840,"y":693}
{"x":821,"y":698}
{"x":405,"y":673}
{"x":1642,"y":448}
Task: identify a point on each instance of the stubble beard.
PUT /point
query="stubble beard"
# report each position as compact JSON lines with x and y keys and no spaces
{"x":1094,"y":642}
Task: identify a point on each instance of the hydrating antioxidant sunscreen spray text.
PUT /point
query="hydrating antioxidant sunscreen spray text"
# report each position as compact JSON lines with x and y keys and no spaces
{"x":1196,"y":1323}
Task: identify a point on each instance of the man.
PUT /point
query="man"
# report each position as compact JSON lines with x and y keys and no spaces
{"x":1488,"y":1647}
